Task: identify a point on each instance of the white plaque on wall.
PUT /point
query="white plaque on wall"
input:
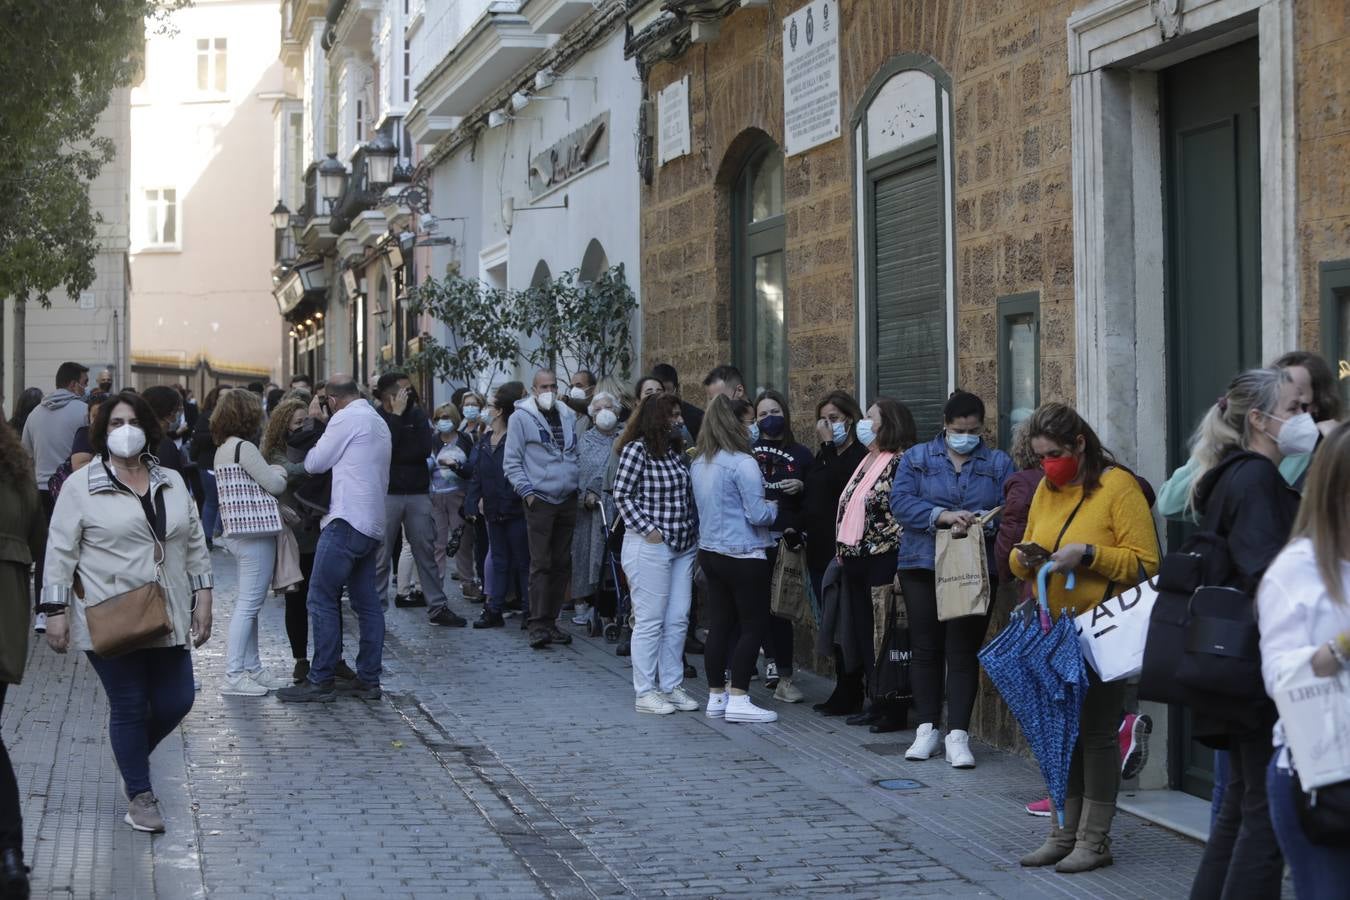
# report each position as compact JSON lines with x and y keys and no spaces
{"x":811,"y":76}
{"x":88,"y":300}
{"x":672,"y":111}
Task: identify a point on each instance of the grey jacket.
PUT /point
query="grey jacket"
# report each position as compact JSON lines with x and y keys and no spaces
{"x":533,"y":462}
{"x":50,"y":430}
{"x":100,"y":533}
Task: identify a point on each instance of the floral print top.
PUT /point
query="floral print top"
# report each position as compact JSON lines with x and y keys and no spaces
{"x":881,"y":534}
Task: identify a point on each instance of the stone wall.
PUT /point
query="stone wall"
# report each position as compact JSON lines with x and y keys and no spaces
{"x":1322,"y":42}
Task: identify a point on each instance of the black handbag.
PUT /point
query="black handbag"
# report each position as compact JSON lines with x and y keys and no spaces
{"x":890,"y":676}
{"x":1324,"y":814}
{"x":1203,"y":643}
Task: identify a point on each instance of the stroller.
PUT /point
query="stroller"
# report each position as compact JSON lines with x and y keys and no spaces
{"x":612,"y":600}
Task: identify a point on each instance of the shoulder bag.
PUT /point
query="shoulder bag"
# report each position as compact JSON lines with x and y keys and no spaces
{"x":135,"y":618}
{"x":245,"y":508}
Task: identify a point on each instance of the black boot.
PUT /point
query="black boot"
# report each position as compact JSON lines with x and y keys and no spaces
{"x":848,"y":696}
{"x":13,"y":875}
{"x":833,"y":699}
{"x":870,"y":716}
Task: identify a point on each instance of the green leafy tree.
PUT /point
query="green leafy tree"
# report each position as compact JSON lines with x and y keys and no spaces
{"x":62,"y":64}
{"x":481,"y":338}
{"x":579,"y":324}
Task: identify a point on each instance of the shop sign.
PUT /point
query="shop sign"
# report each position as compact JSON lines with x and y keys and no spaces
{"x":575,"y":154}
{"x":811,"y":76}
{"x":672,"y":112}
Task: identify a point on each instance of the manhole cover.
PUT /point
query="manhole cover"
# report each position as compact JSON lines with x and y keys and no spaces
{"x":899,"y":784}
{"x":884,"y":749}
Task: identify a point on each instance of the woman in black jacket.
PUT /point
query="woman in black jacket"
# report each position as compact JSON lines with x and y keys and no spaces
{"x":491,"y":496}
{"x":836,"y":459}
{"x":1238,"y":493}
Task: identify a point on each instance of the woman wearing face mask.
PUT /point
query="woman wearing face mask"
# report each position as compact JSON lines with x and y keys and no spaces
{"x":168,"y":406}
{"x":948,"y":482}
{"x":647,"y":386}
{"x":114,"y":518}
{"x":837,"y":458}
{"x":867,"y":540}
{"x":234,"y":428}
{"x":595,"y":449}
{"x":1091,"y":516}
{"x":491,"y":498}
{"x":1239,"y":446}
{"x":784,"y":465}
{"x":448,"y":464}
{"x":653,"y":494}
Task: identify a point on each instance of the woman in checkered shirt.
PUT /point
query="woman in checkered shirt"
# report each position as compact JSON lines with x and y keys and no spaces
{"x":654,"y":496}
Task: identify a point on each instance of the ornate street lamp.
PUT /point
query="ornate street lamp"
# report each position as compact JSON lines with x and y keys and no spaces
{"x":281,"y":216}
{"x":332,"y":180}
{"x":380,"y":156}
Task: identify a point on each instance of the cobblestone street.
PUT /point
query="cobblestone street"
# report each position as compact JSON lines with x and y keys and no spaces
{"x":492,"y":770}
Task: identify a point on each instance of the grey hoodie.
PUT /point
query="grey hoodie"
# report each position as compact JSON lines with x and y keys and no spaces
{"x":50,"y":432}
{"x":533,"y":462}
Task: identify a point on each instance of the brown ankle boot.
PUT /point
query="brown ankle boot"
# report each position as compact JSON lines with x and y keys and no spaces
{"x":1060,"y":842}
{"x":1092,"y":849}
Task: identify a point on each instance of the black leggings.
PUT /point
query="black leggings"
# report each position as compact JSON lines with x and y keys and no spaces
{"x":738,"y":596}
{"x":297,"y":613}
{"x":11,"y":819}
{"x":939,"y":646}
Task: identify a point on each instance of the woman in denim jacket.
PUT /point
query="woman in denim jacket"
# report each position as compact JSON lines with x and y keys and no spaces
{"x":734,"y":520}
{"x":947,"y":482}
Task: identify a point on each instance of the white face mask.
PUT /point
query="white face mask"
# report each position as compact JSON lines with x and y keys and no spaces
{"x":545,"y":400}
{"x":606,"y":419}
{"x":577,"y":393}
{"x":1297,"y":435}
{"x":126,"y":441}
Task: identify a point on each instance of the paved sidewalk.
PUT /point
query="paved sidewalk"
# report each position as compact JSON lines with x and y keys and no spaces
{"x":490,"y":770}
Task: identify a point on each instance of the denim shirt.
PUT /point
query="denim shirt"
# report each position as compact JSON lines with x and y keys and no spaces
{"x":733,"y":516}
{"x":927,"y":484}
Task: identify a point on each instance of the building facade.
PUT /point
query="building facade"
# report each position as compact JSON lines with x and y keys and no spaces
{"x":92,"y":329}
{"x":201,"y":131}
{"x":1115,"y":203}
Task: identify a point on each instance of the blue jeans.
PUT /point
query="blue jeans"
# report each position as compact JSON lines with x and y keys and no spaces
{"x":149,"y":693}
{"x":257,"y":557}
{"x":510,"y":562}
{"x":210,"y":505}
{"x":1320,"y":873}
{"x":345,"y":556}
{"x":1220,"y":782}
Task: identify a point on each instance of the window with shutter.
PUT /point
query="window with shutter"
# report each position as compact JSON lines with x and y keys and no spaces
{"x":759,"y":336}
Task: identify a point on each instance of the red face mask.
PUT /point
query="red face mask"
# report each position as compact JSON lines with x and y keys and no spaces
{"x":1060,"y":470}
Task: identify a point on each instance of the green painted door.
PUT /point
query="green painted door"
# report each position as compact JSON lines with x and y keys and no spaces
{"x":1213,"y":270}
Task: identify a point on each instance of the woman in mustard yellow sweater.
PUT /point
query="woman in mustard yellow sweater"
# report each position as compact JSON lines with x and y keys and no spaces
{"x":1092,"y":518}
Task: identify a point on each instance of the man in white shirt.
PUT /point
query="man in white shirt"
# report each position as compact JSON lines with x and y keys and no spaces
{"x":355,"y":447}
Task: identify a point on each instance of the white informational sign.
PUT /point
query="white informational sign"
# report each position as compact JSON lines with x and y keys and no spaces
{"x":88,"y":300}
{"x":811,"y":76}
{"x":672,"y":111}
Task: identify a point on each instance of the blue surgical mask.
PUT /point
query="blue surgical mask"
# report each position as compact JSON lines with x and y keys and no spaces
{"x":867,"y":433}
{"x":839,"y":430}
{"x":963,"y":444}
{"x":471,"y":413}
{"x":445,"y":426}
{"x":754,"y":432}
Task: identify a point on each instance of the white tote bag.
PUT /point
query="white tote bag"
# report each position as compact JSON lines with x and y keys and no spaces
{"x":245,"y":508}
{"x":1315,"y":715}
{"x":1112,"y":633}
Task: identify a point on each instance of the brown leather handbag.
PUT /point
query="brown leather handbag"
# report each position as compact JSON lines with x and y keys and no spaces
{"x":132,"y":619}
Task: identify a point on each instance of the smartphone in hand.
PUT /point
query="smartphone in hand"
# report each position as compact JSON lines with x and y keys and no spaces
{"x":1036,"y":555}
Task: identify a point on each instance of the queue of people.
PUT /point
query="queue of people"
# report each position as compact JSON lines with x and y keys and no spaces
{"x":544,"y":501}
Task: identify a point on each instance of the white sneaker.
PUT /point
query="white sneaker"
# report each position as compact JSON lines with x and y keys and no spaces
{"x":958,"y":750}
{"x":241,"y":685}
{"x":717,"y":705}
{"x":926,"y":742}
{"x":740,"y":709}
{"x":680,"y":699}
{"x":583,"y":614}
{"x":268,"y":681}
{"x":652,"y":702}
{"x":40,"y":624}
{"x":787,"y":691}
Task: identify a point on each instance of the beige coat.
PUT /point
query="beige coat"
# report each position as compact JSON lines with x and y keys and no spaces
{"x":100,"y":532}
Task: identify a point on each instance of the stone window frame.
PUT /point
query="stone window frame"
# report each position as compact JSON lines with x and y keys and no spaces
{"x":862,"y":166}
{"x":1115,"y":49}
{"x":1333,"y":279}
{"x":1010,"y":306}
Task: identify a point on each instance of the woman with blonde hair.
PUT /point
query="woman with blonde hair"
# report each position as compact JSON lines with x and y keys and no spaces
{"x":1303,"y":609}
{"x":733,"y":539}
{"x":235,"y":425}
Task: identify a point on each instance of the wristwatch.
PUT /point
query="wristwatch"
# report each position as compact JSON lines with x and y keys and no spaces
{"x":1089,"y":554}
